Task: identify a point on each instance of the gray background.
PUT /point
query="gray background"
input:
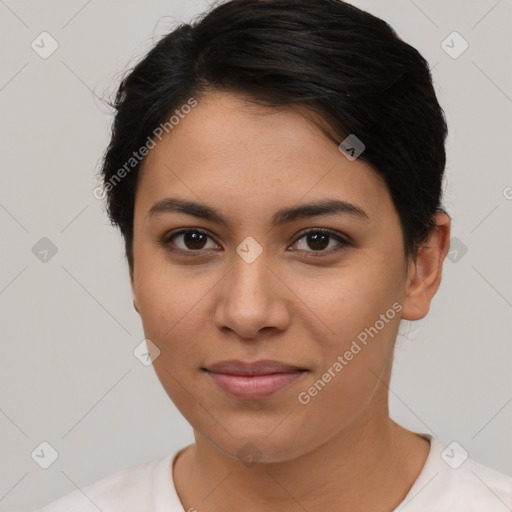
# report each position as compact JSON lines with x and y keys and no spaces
{"x":68,"y":375}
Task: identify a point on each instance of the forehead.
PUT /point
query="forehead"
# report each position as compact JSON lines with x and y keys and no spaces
{"x":227,"y":126}
{"x":233,"y":149}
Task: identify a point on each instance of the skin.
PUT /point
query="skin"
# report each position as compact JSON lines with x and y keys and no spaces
{"x":341,"y":451}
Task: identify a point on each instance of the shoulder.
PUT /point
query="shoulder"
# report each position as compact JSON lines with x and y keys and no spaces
{"x":478,"y":487}
{"x":128,"y":490}
{"x":451,"y":481}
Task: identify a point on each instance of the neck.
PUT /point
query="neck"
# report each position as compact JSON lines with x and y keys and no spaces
{"x":367,"y":466}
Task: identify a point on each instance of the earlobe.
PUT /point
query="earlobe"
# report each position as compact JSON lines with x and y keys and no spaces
{"x":425,"y":271}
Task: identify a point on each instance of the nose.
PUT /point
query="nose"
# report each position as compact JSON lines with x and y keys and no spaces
{"x":252,"y":298}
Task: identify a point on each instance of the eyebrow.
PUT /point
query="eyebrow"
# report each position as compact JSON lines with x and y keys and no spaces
{"x":283,"y":216}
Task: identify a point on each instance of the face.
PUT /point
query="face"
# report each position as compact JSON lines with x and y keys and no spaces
{"x":319,"y":292}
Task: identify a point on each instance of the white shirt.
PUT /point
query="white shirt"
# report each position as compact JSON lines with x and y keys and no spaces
{"x":149,"y":487}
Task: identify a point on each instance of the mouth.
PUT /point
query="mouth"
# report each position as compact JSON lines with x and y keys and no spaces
{"x":252,"y":381}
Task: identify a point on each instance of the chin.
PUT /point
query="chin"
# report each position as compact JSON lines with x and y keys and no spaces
{"x":260,"y":447}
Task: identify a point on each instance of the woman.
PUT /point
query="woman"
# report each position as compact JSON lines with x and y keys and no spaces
{"x":275,"y":169}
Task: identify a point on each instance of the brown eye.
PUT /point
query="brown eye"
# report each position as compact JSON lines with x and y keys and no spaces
{"x":318,"y":240}
{"x":189,"y":240}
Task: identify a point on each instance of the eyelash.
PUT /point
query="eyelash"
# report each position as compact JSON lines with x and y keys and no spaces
{"x":342,"y":241}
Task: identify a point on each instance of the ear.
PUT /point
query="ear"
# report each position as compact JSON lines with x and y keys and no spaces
{"x":132,"y":283}
{"x":424,"y":274}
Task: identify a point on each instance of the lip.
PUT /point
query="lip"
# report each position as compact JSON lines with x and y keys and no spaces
{"x":261,"y":367}
{"x":253,"y":380}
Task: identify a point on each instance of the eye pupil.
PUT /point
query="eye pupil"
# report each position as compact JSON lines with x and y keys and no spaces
{"x":194,"y":241}
{"x":192,"y":238}
{"x":318,"y":238}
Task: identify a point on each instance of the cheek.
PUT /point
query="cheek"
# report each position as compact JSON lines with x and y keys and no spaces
{"x":348,"y":300}
{"x":349,"y":378}
{"x":360,"y":315}
{"x":162,"y":300}
{"x":170,"y":310}
{"x":163,"y":292}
